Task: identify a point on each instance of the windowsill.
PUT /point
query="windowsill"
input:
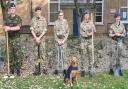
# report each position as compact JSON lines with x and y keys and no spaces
{"x":72,"y":2}
{"x":51,"y":23}
{"x":99,"y":24}
{"x":124,"y":21}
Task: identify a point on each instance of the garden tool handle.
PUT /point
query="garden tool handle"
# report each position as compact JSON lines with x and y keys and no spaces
{"x":7,"y":51}
{"x":38,"y":51}
{"x":93,"y":56}
{"x":93,"y":48}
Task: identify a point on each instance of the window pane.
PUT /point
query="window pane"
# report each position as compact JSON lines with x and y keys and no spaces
{"x":124,"y":14}
{"x":53,"y":10}
{"x":53,"y":7}
{"x":98,"y":18}
{"x":53,"y":17}
{"x":99,"y":7}
{"x":99,"y":12}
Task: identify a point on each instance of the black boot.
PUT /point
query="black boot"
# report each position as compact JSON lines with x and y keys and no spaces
{"x":111,"y":72}
{"x":45,"y":70}
{"x":56,"y":72}
{"x":37,"y":70}
{"x":120,"y":73}
{"x":82,"y":73}
{"x":11,"y":70}
{"x":64,"y":72}
{"x":18,"y":72}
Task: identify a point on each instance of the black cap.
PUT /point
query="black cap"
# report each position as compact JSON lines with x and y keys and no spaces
{"x":38,"y":8}
{"x":12,"y":5}
{"x":117,"y":15}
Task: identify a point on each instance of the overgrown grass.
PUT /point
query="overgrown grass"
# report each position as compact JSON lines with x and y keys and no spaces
{"x":99,"y":81}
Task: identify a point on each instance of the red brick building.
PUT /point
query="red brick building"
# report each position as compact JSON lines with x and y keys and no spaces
{"x":104,"y":12}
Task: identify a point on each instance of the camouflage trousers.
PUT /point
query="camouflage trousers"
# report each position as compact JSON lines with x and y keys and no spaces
{"x":61,"y":56}
{"x":86,"y":53}
{"x":116,"y":53}
{"x":39,"y":53}
{"x":16,"y":54}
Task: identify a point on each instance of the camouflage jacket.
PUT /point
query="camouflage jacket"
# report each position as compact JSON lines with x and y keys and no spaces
{"x":61,"y":29}
{"x":86,"y":28}
{"x":38,"y":25}
{"x":13,"y":21}
{"x":114,"y":28}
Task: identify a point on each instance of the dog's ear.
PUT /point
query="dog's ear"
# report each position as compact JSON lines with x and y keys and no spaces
{"x":64,"y":71}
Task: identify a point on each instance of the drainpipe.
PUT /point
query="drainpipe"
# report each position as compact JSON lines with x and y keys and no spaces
{"x":127,"y":9}
{"x":127,"y":3}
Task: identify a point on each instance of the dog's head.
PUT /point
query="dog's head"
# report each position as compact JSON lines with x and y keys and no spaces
{"x":74,"y":61}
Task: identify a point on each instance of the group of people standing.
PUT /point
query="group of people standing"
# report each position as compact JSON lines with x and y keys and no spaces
{"x":38,"y":27}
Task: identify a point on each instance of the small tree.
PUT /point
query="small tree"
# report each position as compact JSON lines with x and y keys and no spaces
{"x":31,"y":11}
{"x":4,"y":6}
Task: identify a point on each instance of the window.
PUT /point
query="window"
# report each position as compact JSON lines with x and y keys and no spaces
{"x":53,"y":8}
{"x":124,"y":14}
{"x":99,"y":11}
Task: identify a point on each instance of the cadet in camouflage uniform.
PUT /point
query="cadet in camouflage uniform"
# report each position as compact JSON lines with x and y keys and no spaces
{"x":61,"y":32}
{"x":12,"y":25}
{"x":86,"y":28}
{"x":38,"y":30}
{"x":117,"y":33}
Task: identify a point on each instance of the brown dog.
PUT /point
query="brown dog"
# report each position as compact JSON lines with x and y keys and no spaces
{"x":72,"y":71}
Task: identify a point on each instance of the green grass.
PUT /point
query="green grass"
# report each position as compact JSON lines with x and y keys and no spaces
{"x":99,"y":81}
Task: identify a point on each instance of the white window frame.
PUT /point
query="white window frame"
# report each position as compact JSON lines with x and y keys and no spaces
{"x":101,"y":23}
{"x":125,"y":21}
{"x":52,"y":23}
